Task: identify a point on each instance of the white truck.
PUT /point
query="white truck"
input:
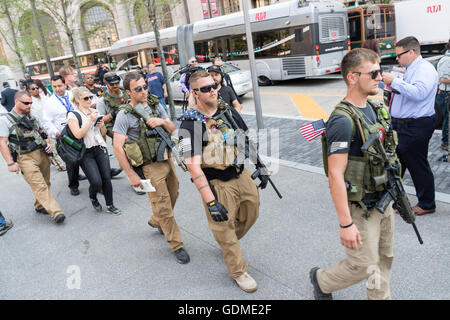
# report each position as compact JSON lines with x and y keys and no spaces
{"x":427,"y":20}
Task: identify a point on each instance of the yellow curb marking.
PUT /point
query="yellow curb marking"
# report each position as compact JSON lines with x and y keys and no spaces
{"x":308,"y":107}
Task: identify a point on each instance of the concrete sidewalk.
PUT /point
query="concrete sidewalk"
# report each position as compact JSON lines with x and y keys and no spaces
{"x":123,"y":258}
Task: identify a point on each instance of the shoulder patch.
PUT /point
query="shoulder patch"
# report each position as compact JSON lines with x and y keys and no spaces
{"x":192,"y":115}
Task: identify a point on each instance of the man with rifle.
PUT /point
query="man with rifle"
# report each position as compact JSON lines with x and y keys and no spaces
{"x":136,"y":148}
{"x":359,"y":183}
{"x":230,"y":196}
{"x":29,"y":152}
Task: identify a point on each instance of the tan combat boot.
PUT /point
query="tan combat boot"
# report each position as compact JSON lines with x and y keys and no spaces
{"x":246,"y":283}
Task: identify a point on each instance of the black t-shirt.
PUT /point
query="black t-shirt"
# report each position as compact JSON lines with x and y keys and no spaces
{"x":193,"y":136}
{"x":339,"y":131}
{"x":227,"y":95}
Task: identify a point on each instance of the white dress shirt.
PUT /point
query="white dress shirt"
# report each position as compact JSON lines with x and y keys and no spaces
{"x":55,"y":114}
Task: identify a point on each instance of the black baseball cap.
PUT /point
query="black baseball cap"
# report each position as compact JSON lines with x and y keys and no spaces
{"x":111,"y":78}
{"x":214,"y":68}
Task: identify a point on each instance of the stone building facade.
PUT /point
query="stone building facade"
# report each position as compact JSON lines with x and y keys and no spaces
{"x":97,"y":24}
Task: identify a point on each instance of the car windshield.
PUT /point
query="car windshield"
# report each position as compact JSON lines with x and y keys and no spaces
{"x":227,"y":68}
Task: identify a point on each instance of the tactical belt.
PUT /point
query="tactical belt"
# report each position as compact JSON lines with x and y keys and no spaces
{"x":405,"y":120}
{"x":223,"y":175}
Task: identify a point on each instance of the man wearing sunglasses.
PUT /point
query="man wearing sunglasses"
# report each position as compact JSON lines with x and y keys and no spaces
{"x":413,"y":117}
{"x":135,"y":147}
{"x":366,"y":233}
{"x":229,"y":194}
{"x":30,"y":154}
{"x":184,"y":85}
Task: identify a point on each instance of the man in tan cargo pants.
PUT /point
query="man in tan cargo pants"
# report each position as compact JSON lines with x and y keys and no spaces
{"x":367,"y":234}
{"x":131,"y":142}
{"x":31,"y":159}
{"x":229,"y":194}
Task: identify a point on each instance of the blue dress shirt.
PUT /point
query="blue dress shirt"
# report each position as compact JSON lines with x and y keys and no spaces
{"x":417,"y":91}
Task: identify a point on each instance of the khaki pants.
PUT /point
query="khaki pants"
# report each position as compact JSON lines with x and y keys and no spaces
{"x":56,"y":159}
{"x":241,"y":199}
{"x":372,"y":260}
{"x":164,"y":178}
{"x":35,"y":167}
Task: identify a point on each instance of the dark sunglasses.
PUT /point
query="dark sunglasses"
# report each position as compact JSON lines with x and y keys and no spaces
{"x":139,"y":89}
{"x":373,"y":74}
{"x":26,"y":103}
{"x":400,"y":54}
{"x":193,"y":61}
{"x":206,"y":89}
{"x":35,"y":88}
{"x":88,"y":98}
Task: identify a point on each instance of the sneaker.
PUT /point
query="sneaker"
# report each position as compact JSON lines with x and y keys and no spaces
{"x":113,"y":210}
{"x":182,"y":256}
{"x":159,"y":228}
{"x":41,"y":211}
{"x":115,"y":172}
{"x":4,"y":228}
{"x":318,"y":293}
{"x":97,"y":206}
{"x":74,"y":191}
{"x":60,"y":218}
{"x":246,"y":282}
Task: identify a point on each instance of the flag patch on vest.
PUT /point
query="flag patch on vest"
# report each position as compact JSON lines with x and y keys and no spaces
{"x":185,"y":145}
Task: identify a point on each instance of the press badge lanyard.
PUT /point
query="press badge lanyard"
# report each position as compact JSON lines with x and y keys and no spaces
{"x":66,"y":104}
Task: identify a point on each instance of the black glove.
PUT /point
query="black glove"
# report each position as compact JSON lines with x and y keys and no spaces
{"x":217,"y":211}
{"x":264,"y":181}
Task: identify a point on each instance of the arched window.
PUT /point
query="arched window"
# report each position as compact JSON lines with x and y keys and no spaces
{"x":98,"y":26}
{"x":30,"y":36}
{"x":163,"y":16}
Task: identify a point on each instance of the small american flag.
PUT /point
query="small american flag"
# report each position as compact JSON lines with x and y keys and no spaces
{"x":313,"y":130}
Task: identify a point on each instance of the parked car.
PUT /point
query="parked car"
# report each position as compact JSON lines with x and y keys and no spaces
{"x":241,"y":80}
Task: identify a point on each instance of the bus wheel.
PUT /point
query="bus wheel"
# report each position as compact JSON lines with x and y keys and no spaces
{"x":264,"y":81}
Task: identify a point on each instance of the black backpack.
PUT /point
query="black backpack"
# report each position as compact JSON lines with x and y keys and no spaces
{"x":70,"y":155}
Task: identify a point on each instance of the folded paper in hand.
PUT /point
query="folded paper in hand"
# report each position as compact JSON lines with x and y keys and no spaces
{"x":147,"y":186}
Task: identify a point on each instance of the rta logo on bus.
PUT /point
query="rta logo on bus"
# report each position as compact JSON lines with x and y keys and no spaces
{"x":434,"y":9}
{"x":261,"y":16}
{"x":74,"y":280}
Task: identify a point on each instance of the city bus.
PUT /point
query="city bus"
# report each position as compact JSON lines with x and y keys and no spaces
{"x":88,"y":62}
{"x":294,"y":39}
{"x":372,"y":21}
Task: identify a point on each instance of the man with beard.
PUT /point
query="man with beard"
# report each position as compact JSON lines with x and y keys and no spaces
{"x":134,"y":147}
{"x":225,"y":93}
{"x":30,"y":154}
{"x":229,"y":194}
{"x":367,"y":234}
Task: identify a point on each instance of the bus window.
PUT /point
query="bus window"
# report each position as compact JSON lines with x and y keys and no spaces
{"x":272,"y":43}
{"x":369,"y":26}
{"x":390,"y":22}
{"x":354,"y":20}
{"x":239,"y":47}
{"x":303,"y":43}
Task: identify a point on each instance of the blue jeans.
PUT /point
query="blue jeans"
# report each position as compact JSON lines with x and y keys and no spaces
{"x":163,"y":103}
{"x":2,"y":220}
{"x":443,"y":101}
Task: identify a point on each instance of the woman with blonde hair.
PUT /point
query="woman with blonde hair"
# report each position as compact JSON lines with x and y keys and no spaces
{"x":95,"y":162}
